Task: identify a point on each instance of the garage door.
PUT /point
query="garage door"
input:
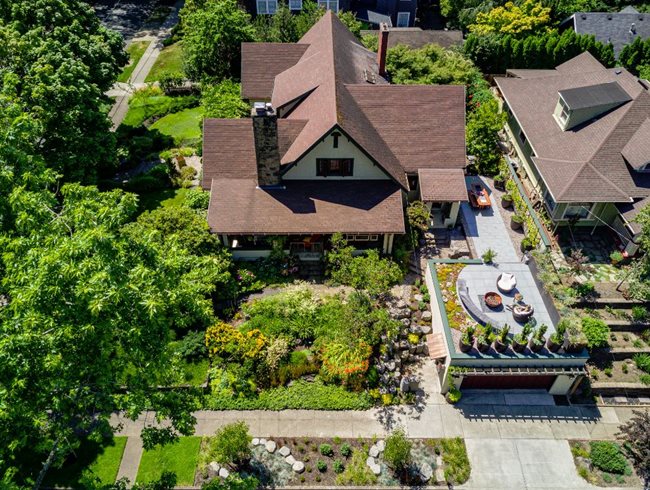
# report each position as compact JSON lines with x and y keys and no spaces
{"x":509,"y":382}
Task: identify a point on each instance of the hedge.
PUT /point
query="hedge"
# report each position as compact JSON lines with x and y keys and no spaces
{"x":300,"y":395}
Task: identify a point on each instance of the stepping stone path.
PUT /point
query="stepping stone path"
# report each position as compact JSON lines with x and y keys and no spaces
{"x":271,"y":446}
{"x":381,"y":445}
{"x":224,"y":473}
{"x":284,"y":451}
{"x":426,"y":472}
{"x":374,"y":451}
{"x":298,"y":467}
{"x":440,"y":473}
{"x":215,"y":467}
{"x":262,"y":442}
{"x":255,"y":441}
{"x":290,"y":460}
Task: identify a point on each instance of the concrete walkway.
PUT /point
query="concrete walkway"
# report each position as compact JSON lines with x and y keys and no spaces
{"x":130,"y":459}
{"x":142,"y":69}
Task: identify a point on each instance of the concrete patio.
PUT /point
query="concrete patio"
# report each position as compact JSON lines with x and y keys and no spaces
{"x":487,"y":230}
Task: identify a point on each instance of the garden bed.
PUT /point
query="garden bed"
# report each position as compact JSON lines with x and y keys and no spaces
{"x":604,"y":464}
{"x":335,"y":461}
{"x":447,"y":277}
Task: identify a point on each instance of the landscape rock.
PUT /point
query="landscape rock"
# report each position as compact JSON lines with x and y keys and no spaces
{"x":224,"y":473}
{"x":405,"y":322}
{"x":262,"y":442}
{"x":298,"y":467}
{"x":284,"y":451}
{"x":426,"y":472}
{"x":440,"y":476}
{"x":271,"y":446}
{"x":381,"y":445}
{"x":391,"y":366}
{"x":425,"y":329}
{"x":373,"y":451}
{"x":370,"y":461}
{"x":290,"y":460}
{"x":404,"y":384}
{"x":426,"y":315}
{"x":376,"y":469}
{"x":400,"y":304}
{"x":418,"y":297}
{"x":213,"y":468}
{"x":255,"y":441}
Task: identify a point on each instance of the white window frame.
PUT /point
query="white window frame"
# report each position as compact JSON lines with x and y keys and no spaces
{"x":408,"y":19}
{"x":268,"y":6}
{"x":293,"y":3}
{"x":332,"y":5}
{"x":582,"y":206}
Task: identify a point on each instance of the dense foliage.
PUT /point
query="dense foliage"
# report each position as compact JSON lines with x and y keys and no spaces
{"x":397,"y":453}
{"x":639,"y":278}
{"x":430,"y":64}
{"x":483,"y":124}
{"x":57,"y":68}
{"x":495,"y":53}
{"x":223,"y":100}
{"x":607,"y":456}
{"x":231,"y":445}
{"x":212,"y":39}
{"x":636,"y":57}
{"x":596,"y":330}
{"x":518,"y":19}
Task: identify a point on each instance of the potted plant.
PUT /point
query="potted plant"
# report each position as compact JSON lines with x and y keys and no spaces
{"x":488,"y":256}
{"x":520,"y":341}
{"x":537,"y":340}
{"x":466,"y":341}
{"x":526,"y":244}
{"x":482,"y":343}
{"x":577,"y":340}
{"x":506,"y":200}
{"x":500,"y":182}
{"x":616,"y":257}
{"x":516,"y":221}
{"x":556,"y":339}
{"x":502,"y":340}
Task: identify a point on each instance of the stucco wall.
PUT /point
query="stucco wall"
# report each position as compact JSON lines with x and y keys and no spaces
{"x":363,"y":168}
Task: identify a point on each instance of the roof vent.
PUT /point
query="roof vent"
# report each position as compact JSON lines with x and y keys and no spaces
{"x":369,"y":76}
{"x":609,"y":16}
{"x":259,"y":108}
{"x":618,"y":71}
{"x":640,"y":17}
{"x":633,"y":28}
{"x":583,"y":16}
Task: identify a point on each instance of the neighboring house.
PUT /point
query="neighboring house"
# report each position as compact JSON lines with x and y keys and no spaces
{"x":617,"y":28}
{"x":582,"y":133}
{"x":414,"y":37}
{"x":400,"y":13}
{"x":331,"y":147}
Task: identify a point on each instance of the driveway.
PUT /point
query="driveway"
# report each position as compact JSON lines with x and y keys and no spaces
{"x":522,"y":464}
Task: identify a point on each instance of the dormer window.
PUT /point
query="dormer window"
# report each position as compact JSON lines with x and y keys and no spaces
{"x":334,"y":167}
{"x":579,"y":105}
{"x":564,"y":112}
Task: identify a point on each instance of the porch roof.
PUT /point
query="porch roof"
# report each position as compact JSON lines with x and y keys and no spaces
{"x":238,"y":206}
{"x":442,"y":185}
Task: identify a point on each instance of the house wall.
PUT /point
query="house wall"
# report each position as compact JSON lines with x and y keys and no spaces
{"x":363,"y":168}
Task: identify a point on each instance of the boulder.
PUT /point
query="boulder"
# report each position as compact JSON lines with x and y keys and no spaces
{"x":426,"y":315}
{"x":425,"y":329}
{"x":405,"y":322}
{"x":290,"y":460}
{"x":213,"y":468}
{"x":271,"y":446}
{"x":255,"y":441}
{"x":373,"y":451}
{"x":401,"y":304}
{"x":262,"y":442}
{"x":381,"y":445}
{"x":391,"y":366}
{"x":404,"y":384}
{"x":418,"y":297}
{"x":376,"y":469}
{"x":414,"y":385}
{"x":224,"y":473}
{"x":298,"y":467}
{"x":426,"y":472}
{"x":284,"y":451}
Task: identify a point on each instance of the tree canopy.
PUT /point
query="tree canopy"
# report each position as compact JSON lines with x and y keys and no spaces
{"x":636,"y":56}
{"x":515,"y":19}
{"x":58,"y":67}
{"x":223,"y":100}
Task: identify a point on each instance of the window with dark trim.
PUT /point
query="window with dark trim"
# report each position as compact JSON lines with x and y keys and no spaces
{"x":336,"y":136}
{"x":522,"y":137}
{"x":334,"y":167}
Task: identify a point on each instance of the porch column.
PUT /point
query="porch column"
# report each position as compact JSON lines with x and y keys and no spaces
{"x":225,"y":241}
{"x":390,"y":243}
{"x":384,"y":248}
{"x":453,"y":213}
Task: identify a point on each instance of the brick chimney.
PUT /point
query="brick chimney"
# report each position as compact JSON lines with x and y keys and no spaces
{"x":382,"y":48}
{"x":267,"y":154}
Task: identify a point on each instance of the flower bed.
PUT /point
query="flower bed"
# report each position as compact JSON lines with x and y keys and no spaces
{"x":603,"y":463}
{"x":447,"y":277}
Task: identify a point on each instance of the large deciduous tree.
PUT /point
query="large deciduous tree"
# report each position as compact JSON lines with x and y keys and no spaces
{"x":86,"y":310}
{"x":213,"y":33}
{"x":514,"y":19}
{"x":636,"y":433}
{"x":62,"y":61}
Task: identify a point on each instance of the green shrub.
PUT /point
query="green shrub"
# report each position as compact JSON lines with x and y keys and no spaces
{"x":197,"y":199}
{"x":596,"y":330}
{"x":322,"y":466}
{"x":639,"y":313}
{"x":144,"y":183}
{"x":338,"y":466}
{"x":192,"y":346}
{"x":231,"y":444}
{"x":325,"y":450}
{"x":607,"y":478}
{"x":607,"y":456}
{"x":645,"y":379}
{"x":357,"y":472}
{"x":346,"y":450}
{"x":456,"y":462}
{"x":454,"y":395}
{"x":397,"y":453}
{"x":642,"y":361}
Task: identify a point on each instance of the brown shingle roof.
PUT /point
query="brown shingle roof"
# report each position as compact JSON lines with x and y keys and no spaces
{"x":237,"y":206}
{"x":261,"y":62}
{"x":585,"y":162}
{"x":414,"y":37}
{"x":442,"y":185}
{"x":637,"y":150}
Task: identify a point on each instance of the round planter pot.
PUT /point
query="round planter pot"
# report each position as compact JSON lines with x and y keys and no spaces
{"x":517,"y":347}
{"x":515,"y":225}
{"x":525,"y":248}
{"x":576,"y":348}
{"x":535,"y":347}
{"x":500,"y":184}
{"x":464,"y":347}
{"x":483,"y":347}
{"x":552,"y":346}
{"x":506,"y":203}
{"x":499,"y":346}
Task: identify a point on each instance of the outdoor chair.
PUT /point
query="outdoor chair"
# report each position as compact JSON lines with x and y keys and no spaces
{"x":506,"y":282}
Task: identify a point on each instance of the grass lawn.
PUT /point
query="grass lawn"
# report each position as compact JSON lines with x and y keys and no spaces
{"x":180,"y":458}
{"x":169,"y":61}
{"x":135,"y":51}
{"x":98,"y":460}
{"x":164,"y":198}
{"x":183,"y":126}
{"x":196,"y":373}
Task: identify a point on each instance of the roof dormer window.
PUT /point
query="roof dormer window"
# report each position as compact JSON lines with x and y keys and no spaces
{"x":578,"y":105}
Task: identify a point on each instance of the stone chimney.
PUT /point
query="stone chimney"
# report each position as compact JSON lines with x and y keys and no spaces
{"x":382,"y":48}
{"x":267,"y":154}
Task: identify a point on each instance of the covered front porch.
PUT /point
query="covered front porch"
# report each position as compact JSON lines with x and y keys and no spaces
{"x":443,"y":190}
